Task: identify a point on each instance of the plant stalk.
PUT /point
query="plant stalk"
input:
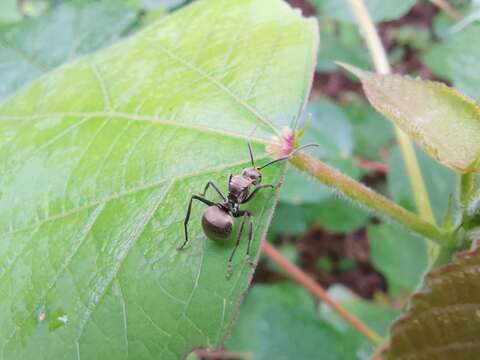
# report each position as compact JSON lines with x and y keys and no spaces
{"x":365,"y":196}
{"x":380,"y":60}
{"x":467,"y":187}
{"x":310,"y":284}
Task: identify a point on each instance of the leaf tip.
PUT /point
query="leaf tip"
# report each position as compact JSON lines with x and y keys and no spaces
{"x":352,"y":69}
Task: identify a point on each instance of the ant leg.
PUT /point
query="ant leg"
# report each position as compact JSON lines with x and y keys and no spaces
{"x":250,"y":237}
{"x":215,"y":187}
{"x":237,"y":243}
{"x":249,"y":197}
{"x":187,"y":216}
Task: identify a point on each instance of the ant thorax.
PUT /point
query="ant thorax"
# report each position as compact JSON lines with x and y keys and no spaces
{"x":238,"y":188}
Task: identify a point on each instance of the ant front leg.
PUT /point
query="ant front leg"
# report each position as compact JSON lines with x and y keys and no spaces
{"x":187,"y":216}
{"x":256,"y":190}
{"x":215,"y":187}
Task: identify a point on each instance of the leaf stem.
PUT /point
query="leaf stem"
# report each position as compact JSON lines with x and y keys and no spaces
{"x":467,"y":187}
{"x":447,"y":9}
{"x":380,"y":60}
{"x":363,"y":195}
{"x":308,"y":283}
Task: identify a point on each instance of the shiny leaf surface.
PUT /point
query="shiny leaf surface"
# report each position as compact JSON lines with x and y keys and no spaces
{"x":98,"y":160}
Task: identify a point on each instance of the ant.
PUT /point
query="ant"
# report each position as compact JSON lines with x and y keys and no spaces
{"x":218,"y":218}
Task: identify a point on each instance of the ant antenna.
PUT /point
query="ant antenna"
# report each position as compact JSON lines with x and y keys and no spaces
{"x":288,"y":156}
{"x":250,"y":151}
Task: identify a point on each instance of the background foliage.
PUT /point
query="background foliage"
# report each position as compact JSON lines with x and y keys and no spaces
{"x":371,"y":266}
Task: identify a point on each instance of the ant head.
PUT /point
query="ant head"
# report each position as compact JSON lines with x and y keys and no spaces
{"x":254,"y":174}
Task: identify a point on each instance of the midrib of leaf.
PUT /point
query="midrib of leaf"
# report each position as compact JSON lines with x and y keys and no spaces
{"x":100,"y":206}
{"x":130,"y":192}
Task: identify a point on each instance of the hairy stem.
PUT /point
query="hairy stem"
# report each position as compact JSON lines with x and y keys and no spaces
{"x":467,"y":187}
{"x":382,"y":66}
{"x":362,"y":195}
{"x":307,"y":282}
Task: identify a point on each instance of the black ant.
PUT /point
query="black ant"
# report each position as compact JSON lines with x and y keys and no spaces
{"x":217,"y":219}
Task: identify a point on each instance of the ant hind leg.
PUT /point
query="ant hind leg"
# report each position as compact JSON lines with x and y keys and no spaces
{"x":187,"y":216}
{"x":237,"y":243}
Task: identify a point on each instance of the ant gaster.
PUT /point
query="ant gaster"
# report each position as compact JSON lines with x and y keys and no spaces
{"x":217,"y":219}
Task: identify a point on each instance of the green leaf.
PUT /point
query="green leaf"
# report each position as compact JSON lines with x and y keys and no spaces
{"x":337,"y":215}
{"x":99,"y":159}
{"x":445,"y":123}
{"x":456,"y":60}
{"x":365,"y":121}
{"x":288,"y":220}
{"x":443,"y":319}
{"x":9,"y":11}
{"x":30,"y":48}
{"x":440,"y":183}
{"x":400,"y":256}
{"x":280,"y":322}
{"x":340,"y":42}
{"x":379,"y":10}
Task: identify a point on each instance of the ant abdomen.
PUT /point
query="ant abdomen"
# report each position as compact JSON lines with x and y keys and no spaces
{"x":217,"y":223}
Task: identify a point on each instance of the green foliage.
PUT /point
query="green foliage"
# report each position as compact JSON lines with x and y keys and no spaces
{"x":281,"y":322}
{"x":440,"y":183}
{"x":445,"y":123}
{"x":304,"y":202}
{"x":33,"y":47}
{"x":99,"y":159}
{"x":340,"y":42}
{"x":379,"y":10}
{"x":442,"y":321}
{"x":365,"y":122}
{"x":9,"y":11}
{"x":456,"y":60}
{"x":399,"y":255}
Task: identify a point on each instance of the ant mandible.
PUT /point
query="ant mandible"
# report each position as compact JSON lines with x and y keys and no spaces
{"x":217,"y":219}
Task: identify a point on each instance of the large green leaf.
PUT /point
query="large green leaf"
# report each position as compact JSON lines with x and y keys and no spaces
{"x":445,"y":123}
{"x":98,"y":160}
{"x":443,"y":321}
{"x":32,"y":47}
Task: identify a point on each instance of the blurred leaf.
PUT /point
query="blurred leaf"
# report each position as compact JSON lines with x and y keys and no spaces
{"x":288,"y":220}
{"x":340,"y":43}
{"x":9,"y":11}
{"x":443,"y":319}
{"x":415,"y":37}
{"x":457,"y":60}
{"x":399,"y":255}
{"x":337,"y":215}
{"x":444,"y":122}
{"x":330,"y":128}
{"x":377,"y":317}
{"x":280,"y":322}
{"x":379,"y":10}
{"x":439,"y":180}
{"x":366,"y":121}
{"x":32,"y":47}
{"x":99,"y":159}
